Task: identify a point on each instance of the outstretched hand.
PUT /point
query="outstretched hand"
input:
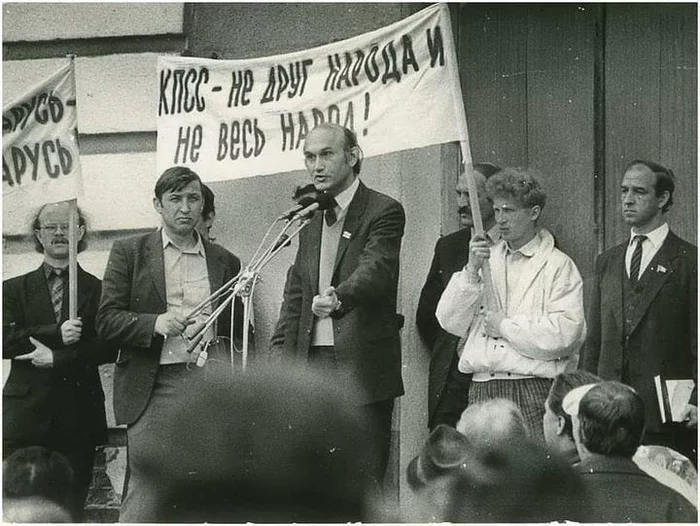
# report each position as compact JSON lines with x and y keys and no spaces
{"x":41,"y":356}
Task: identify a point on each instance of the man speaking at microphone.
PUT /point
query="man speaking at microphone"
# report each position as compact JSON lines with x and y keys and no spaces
{"x":339,"y":308}
{"x":151,"y":284}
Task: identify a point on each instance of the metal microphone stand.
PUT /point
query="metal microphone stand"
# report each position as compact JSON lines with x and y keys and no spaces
{"x":243,"y":285}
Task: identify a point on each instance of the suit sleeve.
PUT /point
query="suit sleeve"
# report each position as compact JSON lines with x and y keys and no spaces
{"x":428,"y":326}
{"x":377,"y":270}
{"x":115,"y":321}
{"x":290,"y":311}
{"x":590,"y":354}
{"x":16,"y":329}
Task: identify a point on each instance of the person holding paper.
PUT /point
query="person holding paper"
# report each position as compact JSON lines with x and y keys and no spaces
{"x":533,"y":326}
{"x":151,"y":284}
{"x":642,"y":317}
{"x":339,"y":306}
{"x":448,"y":388}
{"x":53,"y":396}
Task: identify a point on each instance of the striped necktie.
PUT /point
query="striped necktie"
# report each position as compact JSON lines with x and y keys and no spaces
{"x":57,"y":292}
{"x":636,"y":262}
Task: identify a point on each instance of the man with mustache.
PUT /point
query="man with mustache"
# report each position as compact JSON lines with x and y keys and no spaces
{"x":447,"y":386}
{"x":642,"y":317}
{"x":151,"y":285}
{"x":53,"y":396}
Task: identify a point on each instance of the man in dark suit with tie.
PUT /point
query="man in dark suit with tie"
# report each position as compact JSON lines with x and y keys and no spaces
{"x":53,"y":396}
{"x":151,"y":285}
{"x":339,"y":308}
{"x":447,"y":387}
{"x":642,"y":319}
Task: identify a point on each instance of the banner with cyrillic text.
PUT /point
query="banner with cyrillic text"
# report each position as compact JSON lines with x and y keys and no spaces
{"x":40,"y":159}
{"x":397,"y":87}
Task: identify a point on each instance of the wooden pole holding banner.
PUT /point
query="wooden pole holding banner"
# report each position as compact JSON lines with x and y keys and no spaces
{"x":73,"y":237}
{"x":492,"y":302}
{"x":73,"y":260}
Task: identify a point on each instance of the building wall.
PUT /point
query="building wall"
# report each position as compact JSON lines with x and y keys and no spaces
{"x":530,"y":78}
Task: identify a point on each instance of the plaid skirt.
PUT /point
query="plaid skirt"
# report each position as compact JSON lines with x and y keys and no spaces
{"x":529,"y":394}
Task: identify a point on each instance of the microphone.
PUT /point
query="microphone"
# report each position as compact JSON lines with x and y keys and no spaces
{"x":322,"y":202}
{"x":302,"y":203}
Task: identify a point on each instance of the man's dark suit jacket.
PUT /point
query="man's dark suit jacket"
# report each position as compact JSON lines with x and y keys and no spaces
{"x":451,"y":254}
{"x":365,"y":275}
{"x":69,"y":391}
{"x":618,"y":491}
{"x":133,"y":296}
{"x":663,"y":340}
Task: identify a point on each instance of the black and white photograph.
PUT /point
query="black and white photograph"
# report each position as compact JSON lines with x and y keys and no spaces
{"x":332,"y":262}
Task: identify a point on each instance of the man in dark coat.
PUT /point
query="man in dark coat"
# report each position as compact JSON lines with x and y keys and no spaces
{"x":339,"y":308}
{"x":447,"y":387}
{"x":608,"y":424}
{"x":53,"y":396}
{"x":642,"y":318}
{"x":151,"y":286}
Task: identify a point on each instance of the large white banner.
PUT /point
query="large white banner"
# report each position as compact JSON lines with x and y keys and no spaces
{"x":40,"y":159}
{"x":396,"y":87}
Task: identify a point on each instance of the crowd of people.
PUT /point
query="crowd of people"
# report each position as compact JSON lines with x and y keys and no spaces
{"x":542,"y":406}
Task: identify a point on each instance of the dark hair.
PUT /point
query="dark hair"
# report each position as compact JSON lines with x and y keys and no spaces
{"x":175,"y":179}
{"x":612,"y":420}
{"x":208,"y":207}
{"x":513,"y":482}
{"x":518,"y":184}
{"x":270,"y":445}
{"x":36,"y":225}
{"x":37,"y":472}
{"x":562,"y":384}
{"x":349,"y":142}
{"x":665,"y":180}
{"x":486,"y":169}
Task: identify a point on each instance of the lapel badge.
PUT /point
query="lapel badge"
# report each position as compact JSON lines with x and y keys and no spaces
{"x":661,"y":268}
{"x":346,"y":234}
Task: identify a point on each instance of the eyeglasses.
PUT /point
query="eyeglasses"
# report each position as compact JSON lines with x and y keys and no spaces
{"x":53,"y":228}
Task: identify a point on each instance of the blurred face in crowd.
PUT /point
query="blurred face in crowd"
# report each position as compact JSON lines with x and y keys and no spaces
{"x":53,"y":230}
{"x":551,"y":425}
{"x":516,"y":223}
{"x":204,"y":226}
{"x":327,"y":161}
{"x":180,"y":210}
{"x":465,"y":209}
{"x":641,"y":208}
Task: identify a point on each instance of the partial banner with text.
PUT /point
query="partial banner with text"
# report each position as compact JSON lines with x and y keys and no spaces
{"x":40,"y":158}
{"x":397,"y":87}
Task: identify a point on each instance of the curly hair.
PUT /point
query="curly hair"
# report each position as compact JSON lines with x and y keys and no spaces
{"x":518,"y":184}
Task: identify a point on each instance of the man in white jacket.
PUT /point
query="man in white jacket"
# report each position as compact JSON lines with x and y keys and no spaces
{"x":529,"y":325}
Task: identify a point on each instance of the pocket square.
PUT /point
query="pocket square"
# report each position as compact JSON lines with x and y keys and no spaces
{"x":661,"y":268}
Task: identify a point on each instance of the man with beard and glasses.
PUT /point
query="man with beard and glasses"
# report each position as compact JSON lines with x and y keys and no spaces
{"x":53,"y":396}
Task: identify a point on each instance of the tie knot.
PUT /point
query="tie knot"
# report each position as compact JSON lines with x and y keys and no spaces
{"x":640,"y":238}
